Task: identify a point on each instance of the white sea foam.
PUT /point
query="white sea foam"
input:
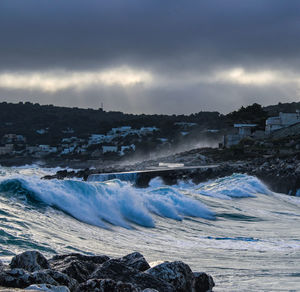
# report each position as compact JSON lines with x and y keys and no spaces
{"x":115,"y":202}
{"x":234,"y":186}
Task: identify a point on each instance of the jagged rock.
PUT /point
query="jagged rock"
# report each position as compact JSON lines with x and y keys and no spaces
{"x":47,"y":288}
{"x":297,"y":170}
{"x":176,"y":273}
{"x":203,"y":282}
{"x":99,"y":273}
{"x":30,"y":261}
{"x":106,"y":285}
{"x":116,"y":270}
{"x":19,"y":278}
{"x":135,"y":260}
{"x":62,"y":279}
{"x":77,"y":266}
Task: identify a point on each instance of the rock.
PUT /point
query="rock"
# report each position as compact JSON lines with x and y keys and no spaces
{"x":106,"y":285}
{"x":297,"y":170}
{"x":19,"y":278}
{"x":63,"y":279}
{"x":77,"y":266}
{"x":30,"y":261}
{"x":203,"y":282}
{"x":47,"y":288}
{"x":1,"y":266}
{"x":135,"y":260}
{"x":150,"y":290}
{"x":176,"y":273}
{"x":116,"y":270}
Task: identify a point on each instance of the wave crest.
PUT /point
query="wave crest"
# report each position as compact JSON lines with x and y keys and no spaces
{"x":114,"y":202}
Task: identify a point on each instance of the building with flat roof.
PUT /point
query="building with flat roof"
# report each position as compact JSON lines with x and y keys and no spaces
{"x":282,"y":121}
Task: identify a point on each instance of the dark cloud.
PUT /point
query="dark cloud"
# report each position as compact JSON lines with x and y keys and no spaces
{"x":170,"y":38}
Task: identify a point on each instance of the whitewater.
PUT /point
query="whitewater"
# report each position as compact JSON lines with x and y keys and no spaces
{"x":234,"y":228}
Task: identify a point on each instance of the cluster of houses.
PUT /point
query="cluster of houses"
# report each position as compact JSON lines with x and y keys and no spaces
{"x":120,"y":141}
{"x":240,"y":131}
{"x":95,"y":146}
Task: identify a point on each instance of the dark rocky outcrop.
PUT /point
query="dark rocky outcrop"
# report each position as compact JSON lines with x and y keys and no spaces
{"x":77,"y":266}
{"x":20,"y":278}
{"x":116,"y":270}
{"x":30,"y":261}
{"x":178,"y":274}
{"x":106,"y":285}
{"x":77,"y":272}
{"x":46,"y":288}
{"x":203,"y":282}
{"x":135,"y":260}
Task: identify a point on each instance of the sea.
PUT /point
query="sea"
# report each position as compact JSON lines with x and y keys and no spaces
{"x":233,"y":228}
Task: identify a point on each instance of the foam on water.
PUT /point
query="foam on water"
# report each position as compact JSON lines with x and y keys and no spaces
{"x":234,"y":186}
{"x":114,"y":202}
{"x":252,"y":243}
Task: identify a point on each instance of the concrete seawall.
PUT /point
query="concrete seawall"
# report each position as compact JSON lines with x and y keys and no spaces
{"x":168,"y":175}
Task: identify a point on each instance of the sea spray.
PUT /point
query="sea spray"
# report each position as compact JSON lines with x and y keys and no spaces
{"x":112,"y":202}
{"x":250,"y":223}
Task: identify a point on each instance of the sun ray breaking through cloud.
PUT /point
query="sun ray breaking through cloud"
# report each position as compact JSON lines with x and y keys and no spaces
{"x":56,"y":80}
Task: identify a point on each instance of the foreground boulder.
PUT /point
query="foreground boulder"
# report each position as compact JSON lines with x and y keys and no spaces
{"x":76,"y":272}
{"x":203,"y":282}
{"x":19,"y":278}
{"x":76,"y":265}
{"x":47,"y":288}
{"x":135,"y":260}
{"x":106,"y":285}
{"x":30,"y":261}
{"x":116,"y":270}
{"x":177,"y":273}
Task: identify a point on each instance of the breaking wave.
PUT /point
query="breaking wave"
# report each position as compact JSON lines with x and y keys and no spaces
{"x":104,"y":203}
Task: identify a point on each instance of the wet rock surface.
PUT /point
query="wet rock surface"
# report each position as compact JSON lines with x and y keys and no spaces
{"x":77,"y":266}
{"x":274,"y":165}
{"x":30,"y":261}
{"x":176,"y":273}
{"x":77,"y":272}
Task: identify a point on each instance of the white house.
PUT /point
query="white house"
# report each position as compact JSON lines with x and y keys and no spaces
{"x":120,"y":130}
{"x":109,"y":149}
{"x":244,"y":129}
{"x":42,"y":131}
{"x":98,"y":139}
{"x":47,"y":148}
{"x":282,"y":121}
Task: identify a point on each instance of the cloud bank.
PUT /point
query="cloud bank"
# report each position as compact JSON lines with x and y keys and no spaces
{"x":150,"y":56}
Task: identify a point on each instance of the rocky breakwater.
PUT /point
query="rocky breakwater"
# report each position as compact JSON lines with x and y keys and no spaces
{"x":280,"y":175}
{"x":76,"y":272}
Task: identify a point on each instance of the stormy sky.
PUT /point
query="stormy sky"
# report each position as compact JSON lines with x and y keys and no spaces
{"x":150,"y":56}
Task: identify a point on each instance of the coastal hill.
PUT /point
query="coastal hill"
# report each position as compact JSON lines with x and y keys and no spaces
{"x":62,"y":135}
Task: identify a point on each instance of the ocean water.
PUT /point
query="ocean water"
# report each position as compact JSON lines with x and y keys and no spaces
{"x":234,"y":228}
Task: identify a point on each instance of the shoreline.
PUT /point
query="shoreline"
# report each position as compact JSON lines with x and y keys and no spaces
{"x":280,"y":173}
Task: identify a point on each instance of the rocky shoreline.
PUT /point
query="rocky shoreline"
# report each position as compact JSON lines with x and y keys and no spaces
{"x":281,"y":175}
{"x":75,"y":272}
